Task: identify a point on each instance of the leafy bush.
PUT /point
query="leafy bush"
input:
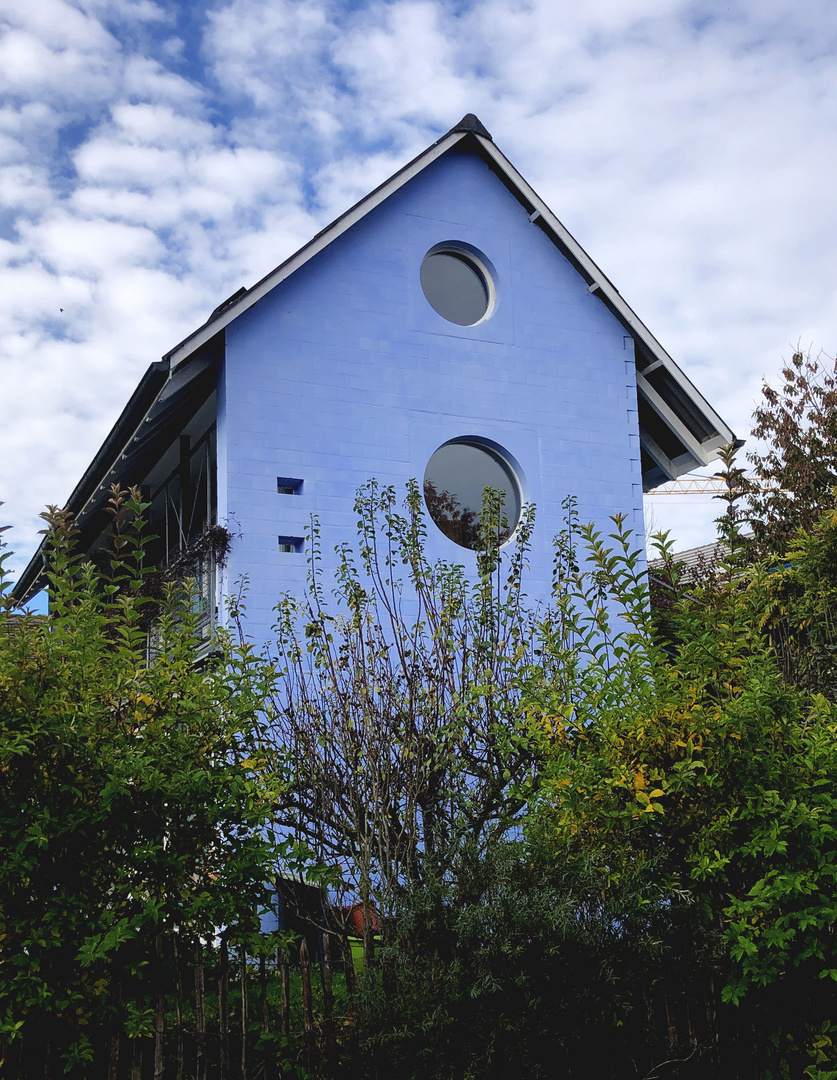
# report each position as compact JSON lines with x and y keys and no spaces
{"x":136,"y":800}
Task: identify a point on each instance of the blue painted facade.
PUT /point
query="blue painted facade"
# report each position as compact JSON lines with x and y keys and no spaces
{"x":343,"y":372}
{"x":335,"y":369}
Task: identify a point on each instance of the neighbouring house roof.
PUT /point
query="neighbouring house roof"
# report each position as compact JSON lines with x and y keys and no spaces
{"x":13,"y":624}
{"x":679,"y":429}
{"x":704,"y":556}
{"x":695,"y":562}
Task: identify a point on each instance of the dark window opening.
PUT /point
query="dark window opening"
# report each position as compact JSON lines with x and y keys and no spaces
{"x":184,"y":504}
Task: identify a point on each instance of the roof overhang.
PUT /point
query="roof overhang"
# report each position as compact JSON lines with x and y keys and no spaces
{"x":154,"y":416}
{"x":669,"y":404}
{"x":679,"y":429}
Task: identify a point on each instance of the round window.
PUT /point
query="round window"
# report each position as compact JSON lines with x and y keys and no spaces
{"x":456,"y":285}
{"x":454,"y":484}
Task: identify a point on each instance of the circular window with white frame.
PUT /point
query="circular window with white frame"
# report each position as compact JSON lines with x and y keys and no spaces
{"x":458,"y":283}
{"x":455,"y":483}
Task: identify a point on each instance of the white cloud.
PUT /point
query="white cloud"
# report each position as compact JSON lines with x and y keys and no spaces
{"x":689,"y":146}
{"x":403,"y":57}
{"x":71,"y":245}
{"x":270,"y":52}
{"x":58,"y":26}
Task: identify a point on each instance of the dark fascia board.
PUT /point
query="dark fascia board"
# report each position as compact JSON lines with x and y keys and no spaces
{"x":150,"y":393}
{"x":471,"y":134}
{"x":246,"y":298}
{"x":138,"y":407}
{"x":601,"y":286}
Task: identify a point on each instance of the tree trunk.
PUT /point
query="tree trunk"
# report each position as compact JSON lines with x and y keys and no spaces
{"x":115,"y":1039}
{"x":284,"y":971}
{"x":136,"y":1059}
{"x":351,"y":996}
{"x":328,"y":991}
{"x":263,"y":995}
{"x":368,"y":932}
{"x":178,"y":1004}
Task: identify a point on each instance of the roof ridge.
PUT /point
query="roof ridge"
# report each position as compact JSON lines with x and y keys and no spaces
{"x":471,"y":122}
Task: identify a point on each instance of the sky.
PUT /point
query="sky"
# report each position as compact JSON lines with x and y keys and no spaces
{"x":154,"y":157}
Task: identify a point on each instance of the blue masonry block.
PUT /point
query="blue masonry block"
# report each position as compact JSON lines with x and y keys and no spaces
{"x":345,"y":372}
{"x":336,"y":369}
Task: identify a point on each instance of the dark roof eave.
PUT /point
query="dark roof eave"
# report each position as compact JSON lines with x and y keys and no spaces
{"x":140,"y":402}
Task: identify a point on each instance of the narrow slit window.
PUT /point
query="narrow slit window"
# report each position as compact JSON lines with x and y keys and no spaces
{"x":288,"y":485}
{"x":290,"y":544}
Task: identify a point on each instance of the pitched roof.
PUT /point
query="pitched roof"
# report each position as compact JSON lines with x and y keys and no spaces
{"x":679,"y":429}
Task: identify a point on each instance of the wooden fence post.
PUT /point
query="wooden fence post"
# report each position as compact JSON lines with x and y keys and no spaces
{"x":200,"y":1013}
{"x":245,"y":1016}
{"x":284,"y":971}
{"x":223,"y":1009}
{"x":307,"y":1002}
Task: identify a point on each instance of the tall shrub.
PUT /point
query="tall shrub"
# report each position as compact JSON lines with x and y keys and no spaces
{"x":136,"y":802}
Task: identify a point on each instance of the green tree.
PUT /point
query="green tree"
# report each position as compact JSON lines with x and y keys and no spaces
{"x":797,"y":468}
{"x":400,"y":704}
{"x":136,"y":800}
{"x":697,"y":757}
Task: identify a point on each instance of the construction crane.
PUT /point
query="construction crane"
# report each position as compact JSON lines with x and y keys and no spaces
{"x":691,"y":485}
{"x":703,"y":485}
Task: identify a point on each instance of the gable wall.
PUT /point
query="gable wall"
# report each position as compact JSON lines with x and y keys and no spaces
{"x":344,"y":372}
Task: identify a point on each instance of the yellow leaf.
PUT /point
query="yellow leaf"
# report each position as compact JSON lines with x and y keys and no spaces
{"x":639,"y":782}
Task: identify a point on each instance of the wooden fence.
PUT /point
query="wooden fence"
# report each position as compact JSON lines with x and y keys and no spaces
{"x":224,"y":1015}
{"x":220,"y":1014}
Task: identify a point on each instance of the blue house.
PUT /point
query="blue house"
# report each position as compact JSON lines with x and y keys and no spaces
{"x":446,"y":328}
